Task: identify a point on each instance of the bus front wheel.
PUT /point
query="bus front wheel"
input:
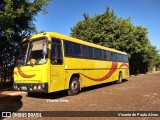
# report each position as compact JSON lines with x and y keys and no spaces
{"x":74,"y":86}
{"x":119,"y":78}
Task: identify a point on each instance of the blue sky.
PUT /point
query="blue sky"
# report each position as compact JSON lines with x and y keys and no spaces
{"x":64,"y":14}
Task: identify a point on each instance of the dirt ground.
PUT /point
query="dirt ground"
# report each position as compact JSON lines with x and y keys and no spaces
{"x":137,"y":93}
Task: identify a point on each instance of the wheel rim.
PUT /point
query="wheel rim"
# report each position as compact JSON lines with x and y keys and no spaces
{"x":74,"y":85}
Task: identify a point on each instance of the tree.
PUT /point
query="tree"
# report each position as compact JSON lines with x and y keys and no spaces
{"x":158,"y":62}
{"x":16,"y":22}
{"x":111,"y":31}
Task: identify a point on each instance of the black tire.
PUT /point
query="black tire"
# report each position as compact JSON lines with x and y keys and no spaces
{"x":74,"y":86}
{"x":119,"y":78}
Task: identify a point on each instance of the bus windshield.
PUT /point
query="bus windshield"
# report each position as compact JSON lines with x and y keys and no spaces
{"x":33,"y":52}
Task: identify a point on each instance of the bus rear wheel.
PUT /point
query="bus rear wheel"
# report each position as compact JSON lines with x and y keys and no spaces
{"x":74,"y":86}
{"x":119,"y":78}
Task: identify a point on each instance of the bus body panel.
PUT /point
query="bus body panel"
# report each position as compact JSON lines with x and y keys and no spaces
{"x":30,"y":73}
{"x":94,"y":69}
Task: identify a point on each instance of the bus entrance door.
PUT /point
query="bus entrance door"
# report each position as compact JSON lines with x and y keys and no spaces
{"x":57,"y":66}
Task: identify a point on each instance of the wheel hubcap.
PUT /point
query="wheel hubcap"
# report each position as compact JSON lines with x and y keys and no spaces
{"x":74,"y":85}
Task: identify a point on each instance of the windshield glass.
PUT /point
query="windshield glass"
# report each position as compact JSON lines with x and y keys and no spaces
{"x":33,"y":52}
{"x":23,"y":53}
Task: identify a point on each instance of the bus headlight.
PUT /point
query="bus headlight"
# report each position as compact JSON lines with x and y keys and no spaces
{"x":39,"y":87}
{"x":30,"y":89}
{"x":35,"y":87}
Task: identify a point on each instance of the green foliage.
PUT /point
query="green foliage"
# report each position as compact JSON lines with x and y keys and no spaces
{"x":111,"y":31}
{"x":17,"y":16}
{"x":16,"y":22}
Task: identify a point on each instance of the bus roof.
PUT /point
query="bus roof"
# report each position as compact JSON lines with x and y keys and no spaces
{"x":64,"y":37}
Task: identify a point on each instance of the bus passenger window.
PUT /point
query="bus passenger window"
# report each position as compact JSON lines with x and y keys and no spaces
{"x":85,"y":51}
{"x":77,"y":50}
{"x":100,"y":54}
{"x":125,"y":58}
{"x":68,"y":48}
{"x":109,"y":57}
{"x":119,"y":57}
{"x":56,"y":52}
{"x":96,"y":53}
{"x":90,"y":51}
{"x":114,"y":56}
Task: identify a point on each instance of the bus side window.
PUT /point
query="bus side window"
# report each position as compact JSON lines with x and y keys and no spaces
{"x":85,"y":51}
{"x":56,"y":52}
{"x":125,"y":58}
{"x":90,"y":52}
{"x":119,"y":58}
{"x":77,"y":50}
{"x":68,"y":48}
{"x":114,"y":56}
{"x":104,"y":55}
{"x":100,"y":54}
{"x":109,"y":57}
{"x":96,"y":53}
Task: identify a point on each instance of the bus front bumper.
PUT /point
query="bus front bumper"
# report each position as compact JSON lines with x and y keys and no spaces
{"x":31,"y":87}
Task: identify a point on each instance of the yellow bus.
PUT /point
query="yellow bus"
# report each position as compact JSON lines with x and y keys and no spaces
{"x":50,"y":62}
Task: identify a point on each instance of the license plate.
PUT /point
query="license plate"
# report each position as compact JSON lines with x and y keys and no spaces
{"x":23,"y":87}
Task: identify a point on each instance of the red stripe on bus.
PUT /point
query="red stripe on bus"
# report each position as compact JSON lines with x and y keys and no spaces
{"x":112,"y":70}
{"x":23,"y":74}
{"x":124,"y":64}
